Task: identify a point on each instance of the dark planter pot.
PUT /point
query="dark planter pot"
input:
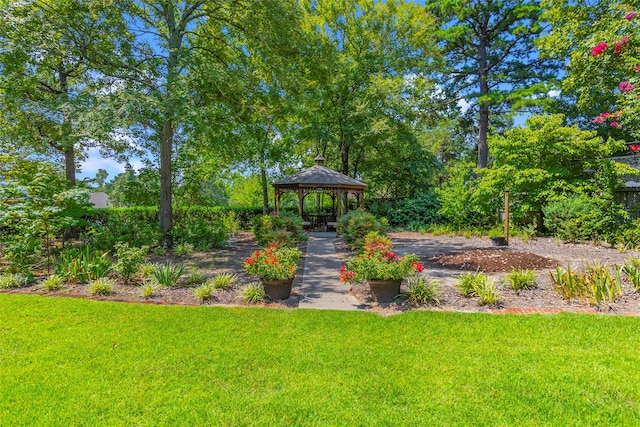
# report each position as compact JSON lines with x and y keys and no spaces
{"x":384,"y":290}
{"x":277,"y":289}
{"x":499,"y":241}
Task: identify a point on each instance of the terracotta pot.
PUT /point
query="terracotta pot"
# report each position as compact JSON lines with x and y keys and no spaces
{"x":384,"y":290}
{"x":277,"y":289}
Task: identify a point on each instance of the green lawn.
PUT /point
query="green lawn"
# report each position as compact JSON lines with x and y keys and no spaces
{"x":78,"y":362}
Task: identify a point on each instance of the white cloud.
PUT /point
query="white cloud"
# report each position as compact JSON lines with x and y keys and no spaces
{"x":464,"y":105}
{"x":554,"y":93}
{"x":95,"y":161}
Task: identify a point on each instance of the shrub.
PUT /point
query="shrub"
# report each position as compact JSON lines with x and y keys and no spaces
{"x":53,"y":283}
{"x":411,"y":214}
{"x":468,"y":283}
{"x":282,"y":230}
{"x":594,"y":284}
{"x":203,"y":292}
{"x":355,"y":225}
{"x":202,"y":228}
{"x":136,"y":226}
{"x":380,"y":265}
{"x":194,"y":277}
{"x":82,"y":264}
{"x":146,"y":270}
{"x":101,"y":286}
{"x":253,"y":293}
{"x":486,"y":292}
{"x":522,"y":279}
{"x":129,"y":260}
{"x":168,"y":274}
{"x":149,"y":289}
{"x":422,"y":291}
{"x":374,"y":242}
{"x":184,"y":249}
{"x":13,"y":281}
{"x":222,"y":280}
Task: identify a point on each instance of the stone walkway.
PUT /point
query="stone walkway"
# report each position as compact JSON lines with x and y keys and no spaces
{"x":321,"y":286}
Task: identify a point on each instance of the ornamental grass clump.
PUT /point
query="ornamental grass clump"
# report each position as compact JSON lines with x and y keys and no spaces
{"x":422,"y":291}
{"x":522,"y":279}
{"x":273,"y":263}
{"x":253,"y":293}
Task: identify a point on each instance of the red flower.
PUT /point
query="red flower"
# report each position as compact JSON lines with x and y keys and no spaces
{"x":391,"y":255}
{"x":599,"y":49}
{"x":616,"y":125}
{"x":418,"y":267}
{"x":631,"y":15}
{"x":343,"y":269}
{"x":626,"y":87}
{"x":250,"y":261}
{"x":637,"y":68}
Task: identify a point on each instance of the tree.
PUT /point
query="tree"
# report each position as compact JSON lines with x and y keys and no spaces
{"x":368,"y":78}
{"x":589,"y":82}
{"x":489,"y":46}
{"x":52,"y":102}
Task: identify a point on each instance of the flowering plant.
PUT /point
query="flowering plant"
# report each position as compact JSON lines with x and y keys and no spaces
{"x":273,"y":263}
{"x":380,"y":264}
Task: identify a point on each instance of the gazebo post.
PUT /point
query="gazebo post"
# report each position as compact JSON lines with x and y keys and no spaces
{"x":300,"y":202}
{"x":276,"y":200}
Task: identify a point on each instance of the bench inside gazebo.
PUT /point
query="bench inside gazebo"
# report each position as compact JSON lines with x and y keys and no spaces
{"x":320,"y":180}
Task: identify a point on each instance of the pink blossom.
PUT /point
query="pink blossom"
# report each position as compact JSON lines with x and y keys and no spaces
{"x":616,"y":125}
{"x":605,"y":115}
{"x":598,"y":120}
{"x":637,"y":68}
{"x":620,"y":44}
{"x":599,"y":49}
{"x":626,"y":87}
{"x":631,"y":15}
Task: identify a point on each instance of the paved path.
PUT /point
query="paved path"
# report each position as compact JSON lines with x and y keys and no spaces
{"x":321,"y":286}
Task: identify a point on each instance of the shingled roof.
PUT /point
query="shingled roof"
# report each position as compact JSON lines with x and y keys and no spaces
{"x":319,"y":176}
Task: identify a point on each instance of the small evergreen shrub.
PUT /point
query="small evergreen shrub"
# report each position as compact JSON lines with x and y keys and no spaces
{"x":284,"y":230}
{"x":129,"y":261}
{"x":411,"y":214}
{"x":13,"y":281}
{"x":168,"y":274}
{"x":53,"y":283}
{"x":355,"y":225}
{"x":146,"y":270}
{"x":223,"y":280}
{"x":422,"y":291}
{"x":521,"y":279}
{"x":184,"y":249}
{"x":101,"y":286}
{"x":204,"y":292}
{"x":149,"y":289}
{"x":253,"y":293}
{"x":487,"y":292}
{"x":194,"y":277}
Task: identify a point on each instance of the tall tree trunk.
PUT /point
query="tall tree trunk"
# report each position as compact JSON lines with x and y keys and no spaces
{"x":166,"y":211}
{"x":265,"y":185}
{"x":483,"y":121}
{"x":70,"y":166}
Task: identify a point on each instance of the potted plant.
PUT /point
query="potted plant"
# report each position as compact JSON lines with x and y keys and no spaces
{"x":276,"y":268}
{"x":381,"y":268}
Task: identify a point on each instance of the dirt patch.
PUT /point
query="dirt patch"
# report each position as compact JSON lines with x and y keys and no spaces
{"x":492,"y":260}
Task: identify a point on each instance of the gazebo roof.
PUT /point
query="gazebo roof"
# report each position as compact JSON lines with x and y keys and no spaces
{"x":319,"y":176}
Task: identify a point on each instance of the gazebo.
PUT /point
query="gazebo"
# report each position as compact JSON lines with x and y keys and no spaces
{"x":320,"y":179}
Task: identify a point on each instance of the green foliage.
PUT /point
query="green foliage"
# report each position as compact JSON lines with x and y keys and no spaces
{"x":273,"y":263}
{"x":222,"y":280}
{"x":102,"y":286}
{"x":129,"y":261}
{"x":204,"y":292}
{"x":82,"y":264}
{"x":204,"y":228}
{"x":253,"y":293}
{"x":356,"y":224}
{"x":459,"y":197}
{"x":422,"y":290}
{"x":594,"y":284}
{"x":183,"y":249}
{"x":468,"y":282}
{"x":146,"y":270}
{"x":195,"y":277}
{"x":168,"y":274}
{"x":13,"y":281}
{"x":53,"y":283}
{"x":148,"y":289}
{"x":378,"y":263}
{"x":521,"y":279}
{"x":487,"y":292}
{"x":282,"y":230}
{"x":411,"y":214}
{"x":136,"y":226}
{"x":632,"y":270}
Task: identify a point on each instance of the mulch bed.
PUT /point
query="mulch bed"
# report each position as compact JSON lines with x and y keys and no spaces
{"x":492,"y":260}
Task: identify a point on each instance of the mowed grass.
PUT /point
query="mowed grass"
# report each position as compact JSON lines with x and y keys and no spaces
{"x":78,"y":362}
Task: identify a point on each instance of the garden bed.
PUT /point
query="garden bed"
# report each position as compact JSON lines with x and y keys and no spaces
{"x":446,"y":258}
